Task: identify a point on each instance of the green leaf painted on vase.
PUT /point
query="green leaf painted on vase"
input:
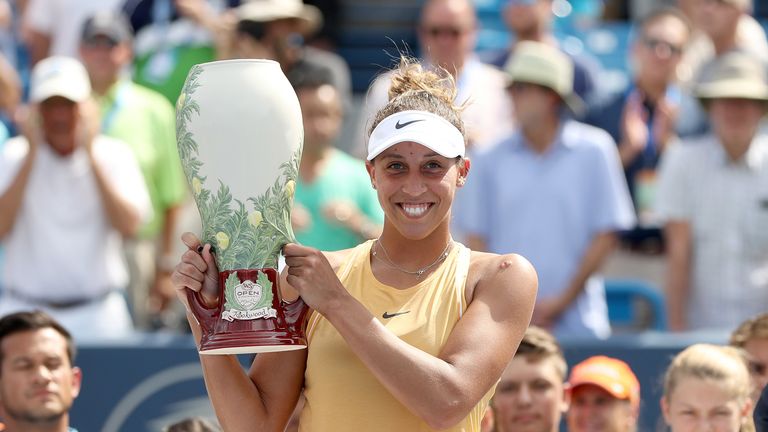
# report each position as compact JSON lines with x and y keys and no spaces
{"x":229,"y":292}
{"x":266,"y":291}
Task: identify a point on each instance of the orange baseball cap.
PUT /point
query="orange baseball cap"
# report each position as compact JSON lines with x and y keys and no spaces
{"x":610,"y":374}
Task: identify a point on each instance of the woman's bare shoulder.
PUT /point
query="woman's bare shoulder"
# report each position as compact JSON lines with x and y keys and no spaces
{"x":486,"y":264}
{"x":510,"y":273}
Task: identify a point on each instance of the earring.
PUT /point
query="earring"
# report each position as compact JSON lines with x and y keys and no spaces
{"x":462,"y":180}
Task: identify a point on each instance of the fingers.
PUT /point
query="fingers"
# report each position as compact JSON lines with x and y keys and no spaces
{"x":190,"y":240}
{"x":185,"y":277}
{"x":195,"y":259}
{"x":210,"y":261}
{"x":302,"y":256}
{"x":190,"y":271}
{"x":294,"y":249}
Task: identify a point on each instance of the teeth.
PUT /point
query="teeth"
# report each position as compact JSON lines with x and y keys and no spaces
{"x":415,"y":210}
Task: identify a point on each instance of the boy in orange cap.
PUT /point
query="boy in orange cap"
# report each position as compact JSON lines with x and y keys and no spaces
{"x":604,"y":395}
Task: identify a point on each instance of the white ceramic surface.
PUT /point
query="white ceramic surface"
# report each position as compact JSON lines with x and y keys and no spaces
{"x":239,"y":131}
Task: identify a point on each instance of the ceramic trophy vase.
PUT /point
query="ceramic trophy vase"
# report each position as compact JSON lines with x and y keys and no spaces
{"x":239,"y":134}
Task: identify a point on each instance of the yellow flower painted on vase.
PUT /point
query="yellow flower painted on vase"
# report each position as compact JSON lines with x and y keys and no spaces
{"x":222,"y":240}
{"x":290,"y":188}
{"x":180,"y":101}
{"x":197,"y":186}
{"x":255,"y":218}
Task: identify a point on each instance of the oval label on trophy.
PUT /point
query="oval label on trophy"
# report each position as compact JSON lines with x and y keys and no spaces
{"x":248,"y":294}
{"x":248,"y":300}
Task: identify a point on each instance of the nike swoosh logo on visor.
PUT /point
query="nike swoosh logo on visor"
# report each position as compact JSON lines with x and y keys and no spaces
{"x":402,"y":125}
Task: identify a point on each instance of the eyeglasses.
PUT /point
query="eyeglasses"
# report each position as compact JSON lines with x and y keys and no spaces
{"x":757,"y":367}
{"x":100,"y":42}
{"x":718,"y":2}
{"x":662,"y":48}
{"x":438,"y":31}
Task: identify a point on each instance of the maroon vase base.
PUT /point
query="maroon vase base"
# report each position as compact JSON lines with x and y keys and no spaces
{"x":285,"y":331}
{"x":251,"y":344}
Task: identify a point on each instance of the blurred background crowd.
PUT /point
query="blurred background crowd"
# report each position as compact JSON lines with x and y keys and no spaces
{"x":619,"y":145}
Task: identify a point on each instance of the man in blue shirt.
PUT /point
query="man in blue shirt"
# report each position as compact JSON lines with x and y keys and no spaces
{"x":648,"y":116}
{"x":553,"y":191}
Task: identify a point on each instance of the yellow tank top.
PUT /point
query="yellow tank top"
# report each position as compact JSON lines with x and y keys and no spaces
{"x":341,"y":393}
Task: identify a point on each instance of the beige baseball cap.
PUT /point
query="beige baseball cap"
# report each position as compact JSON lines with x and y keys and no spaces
{"x":59,"y":76}
{"x":545,"y":65}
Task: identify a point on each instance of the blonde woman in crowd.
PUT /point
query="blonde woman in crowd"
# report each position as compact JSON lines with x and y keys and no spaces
{"x":707,"y":388}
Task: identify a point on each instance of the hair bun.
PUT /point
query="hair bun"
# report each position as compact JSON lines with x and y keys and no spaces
{"x":412,"y":87}
{"x":411,"y":77}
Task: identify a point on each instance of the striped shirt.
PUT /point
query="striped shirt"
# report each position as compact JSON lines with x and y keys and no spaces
{"x":726,"y":204}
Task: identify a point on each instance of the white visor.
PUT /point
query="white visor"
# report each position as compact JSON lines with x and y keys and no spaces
{"x":425,"y":128}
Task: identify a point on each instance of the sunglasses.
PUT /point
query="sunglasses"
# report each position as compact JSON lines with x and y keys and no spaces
{"x":100,"y":42}
{"x":661,"y":47}
{"x":718,"y":2}
{"x":438,"y":31}
{"x":758,"y":368}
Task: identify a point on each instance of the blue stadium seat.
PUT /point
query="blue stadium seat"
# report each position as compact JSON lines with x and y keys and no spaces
{"x":375,"y":35}
{"x":608,"y":43}
{"x":635,"y":305}
{"x":488,"y":6}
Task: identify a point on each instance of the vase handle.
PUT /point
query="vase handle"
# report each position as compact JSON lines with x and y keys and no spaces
{"x":296,"y":314}
{"x":205,"y":316}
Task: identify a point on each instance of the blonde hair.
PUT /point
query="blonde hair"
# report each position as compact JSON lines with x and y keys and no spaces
{"x":753,"y":328}
{"x":538,"y":345}
{"x":723,"y":364}
{"x":415,"y":88}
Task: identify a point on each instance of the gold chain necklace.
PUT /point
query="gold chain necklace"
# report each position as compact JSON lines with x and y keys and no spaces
{"x":418,"y":272}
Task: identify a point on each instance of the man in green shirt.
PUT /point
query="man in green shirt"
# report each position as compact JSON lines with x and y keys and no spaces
{"x":145,"y":121}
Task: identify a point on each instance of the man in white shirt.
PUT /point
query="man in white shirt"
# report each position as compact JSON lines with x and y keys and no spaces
{"x":713,"y":196}
{"x":69,"y":196}
{"x":53,"y":27}
{"x":720,"y":26}
{"x":447,"y":34}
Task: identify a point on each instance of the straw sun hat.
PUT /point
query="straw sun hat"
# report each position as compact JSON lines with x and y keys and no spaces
{"x":271,"y":10}
{"x":545,"y":65}
{"x":734,"y":75}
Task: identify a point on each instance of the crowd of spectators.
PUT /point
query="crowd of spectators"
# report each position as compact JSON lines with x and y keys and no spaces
{"x":673,"y":167}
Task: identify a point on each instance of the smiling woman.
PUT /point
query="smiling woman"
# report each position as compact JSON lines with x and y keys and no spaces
{"x":410,"y":331}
